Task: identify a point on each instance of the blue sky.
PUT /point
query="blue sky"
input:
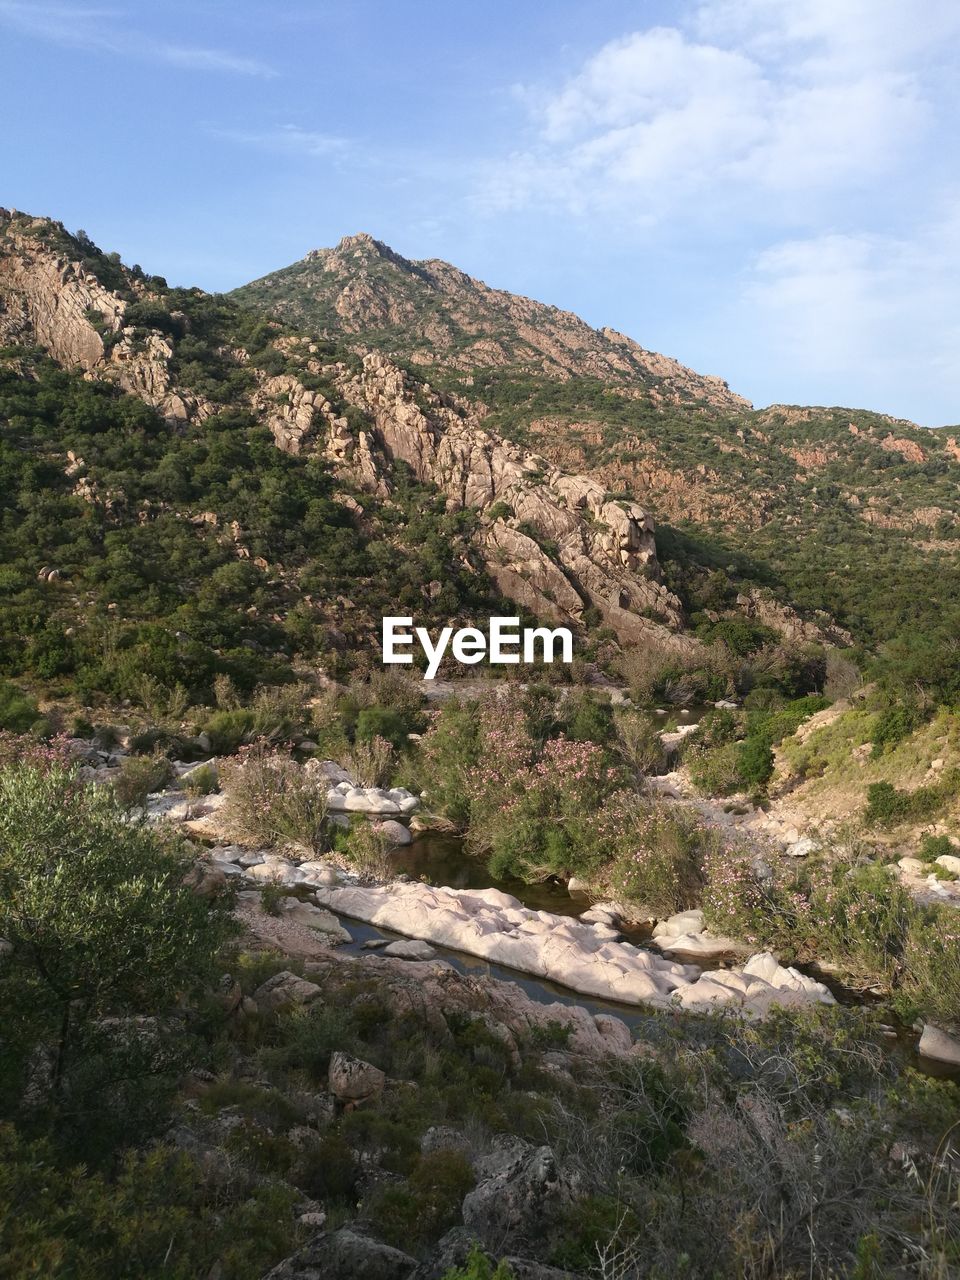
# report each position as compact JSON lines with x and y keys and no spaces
{"x":767,"y":190}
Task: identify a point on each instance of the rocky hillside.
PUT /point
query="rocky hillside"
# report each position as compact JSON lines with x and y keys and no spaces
{"x":431,"y":314}
{"x":356,"y":431}
{"x":834,"y":509}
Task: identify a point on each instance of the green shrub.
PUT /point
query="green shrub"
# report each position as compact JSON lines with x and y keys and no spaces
{"x":934,"y":847}
{"x":755,"y":762}
{"x":479,"y":1267}
{"x":271,"y":799}
{"x":229,"y":730}
{"x":891,"y":726}
{"x":18,"y":713}
{"x":101,"y":919}
{"x":141,"y":776}
{"x":417,"y":1212}
{"x":382,"y":722}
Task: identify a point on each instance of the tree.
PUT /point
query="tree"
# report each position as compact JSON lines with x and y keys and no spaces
{"x":99,"y":913}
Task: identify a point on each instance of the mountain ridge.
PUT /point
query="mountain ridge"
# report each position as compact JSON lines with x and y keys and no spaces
{"x":454,"y":314}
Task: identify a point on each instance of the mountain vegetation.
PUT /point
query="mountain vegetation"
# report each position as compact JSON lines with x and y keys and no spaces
{"x":207,"y":504}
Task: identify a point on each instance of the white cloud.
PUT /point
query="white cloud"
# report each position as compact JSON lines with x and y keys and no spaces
{"x":98,"y":29}
{"x":859,"y":309}
{"x":754,"y":100}
{"x":286,"y":139}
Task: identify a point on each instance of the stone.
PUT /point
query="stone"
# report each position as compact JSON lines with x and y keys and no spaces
{"x":311,"y":917}
{"x":576,"y":885}
{"x":912,"y":866}
{"x":452,"y":1254}
{"x":286,"y":988}
{"x":410,"y":949}
{"x":497,"y":928}
{"x":351,"y":1080}
{"x":344,"y":1255}
{"x":195,"y":772}
{"x":939,"y":1046}
{"x":801,"y":848}
{"x":441,"y":1137}
{"x":520,"y":1197}
{"x":319,"y":873}
{"x":950,"y":862}
{"x":394,"y":832}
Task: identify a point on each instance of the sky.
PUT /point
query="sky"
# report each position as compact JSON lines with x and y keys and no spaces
{"x":766,"y":190}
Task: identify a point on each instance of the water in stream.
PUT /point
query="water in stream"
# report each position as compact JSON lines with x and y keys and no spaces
{"x":441,"y":859}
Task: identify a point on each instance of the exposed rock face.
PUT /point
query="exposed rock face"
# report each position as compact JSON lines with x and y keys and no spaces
{"x":520,"y":1196}
{"x":433,"y":313}
{"x":587,"y":551}
{"x":345,"y":1255}
{"x":51,"y":300}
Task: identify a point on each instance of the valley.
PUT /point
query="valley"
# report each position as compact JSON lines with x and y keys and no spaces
{"x":255,"y":1025}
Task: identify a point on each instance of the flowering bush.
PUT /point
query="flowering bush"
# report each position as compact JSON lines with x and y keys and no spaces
{"x":271,"y":799}
{"x":657,"y":856}
{"x":533,"y":809}
{"x":863,"y":916}
{"x":765,"y":910}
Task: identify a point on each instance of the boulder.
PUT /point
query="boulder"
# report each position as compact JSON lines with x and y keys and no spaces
{"x":319,"y":873}
{"x":452,"y":1253}
{"x":351,"y":1080}
{"x":409,"y":949}
{"x":286,"y":988}
{"x":311,"y":917}
{"x":345,"y":1255}
{"x":950,"y":862}
{"x":394,"y":832}
{"x":937,"y":1045}
{"x":521,"y":1194}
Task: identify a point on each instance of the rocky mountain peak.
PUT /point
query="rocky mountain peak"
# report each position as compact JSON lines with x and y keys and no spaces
{"x":433,"y":314}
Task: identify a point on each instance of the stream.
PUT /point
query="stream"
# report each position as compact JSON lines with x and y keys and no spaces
{"x":440,"y":859}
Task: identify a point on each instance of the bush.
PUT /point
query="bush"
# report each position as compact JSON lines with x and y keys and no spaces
{"x":271,"y":799}
{"x":18,"y":713}
{"x":141,"y":776}
{"x":370,"y":762}
{"x":656,"y":856}
{"x":99,"y":915}
{"x":931,"y":965}
{"x":229,"y":730}
{"x":381,"y":722}
{"x":755,"y":762}
{"x":891,"y":726}
{"x":417,"y":1212}
{"x":863,"y":916}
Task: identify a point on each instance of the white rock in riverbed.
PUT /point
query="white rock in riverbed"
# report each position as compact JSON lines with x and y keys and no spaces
{"x":493,"y":925}
{"x":373,"y":800}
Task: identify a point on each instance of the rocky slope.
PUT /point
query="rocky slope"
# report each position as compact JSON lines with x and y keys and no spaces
{"x":553,"y":543}
{"x":823,"y":504}
{"x":433,"y":314}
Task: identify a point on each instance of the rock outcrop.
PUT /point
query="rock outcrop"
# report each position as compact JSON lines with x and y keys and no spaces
{"x":432,"y":313}
{"x":48,"y":298}
{"x":553,"y":543}
{"x":583,"y":957}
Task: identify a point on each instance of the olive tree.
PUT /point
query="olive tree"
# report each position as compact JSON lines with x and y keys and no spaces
{"x":100,"y":922}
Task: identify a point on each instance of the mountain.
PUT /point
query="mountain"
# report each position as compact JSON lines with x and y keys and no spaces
{"x":431,"y":314}
{"x":200,"y":490}
{"x":833,"y":509}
